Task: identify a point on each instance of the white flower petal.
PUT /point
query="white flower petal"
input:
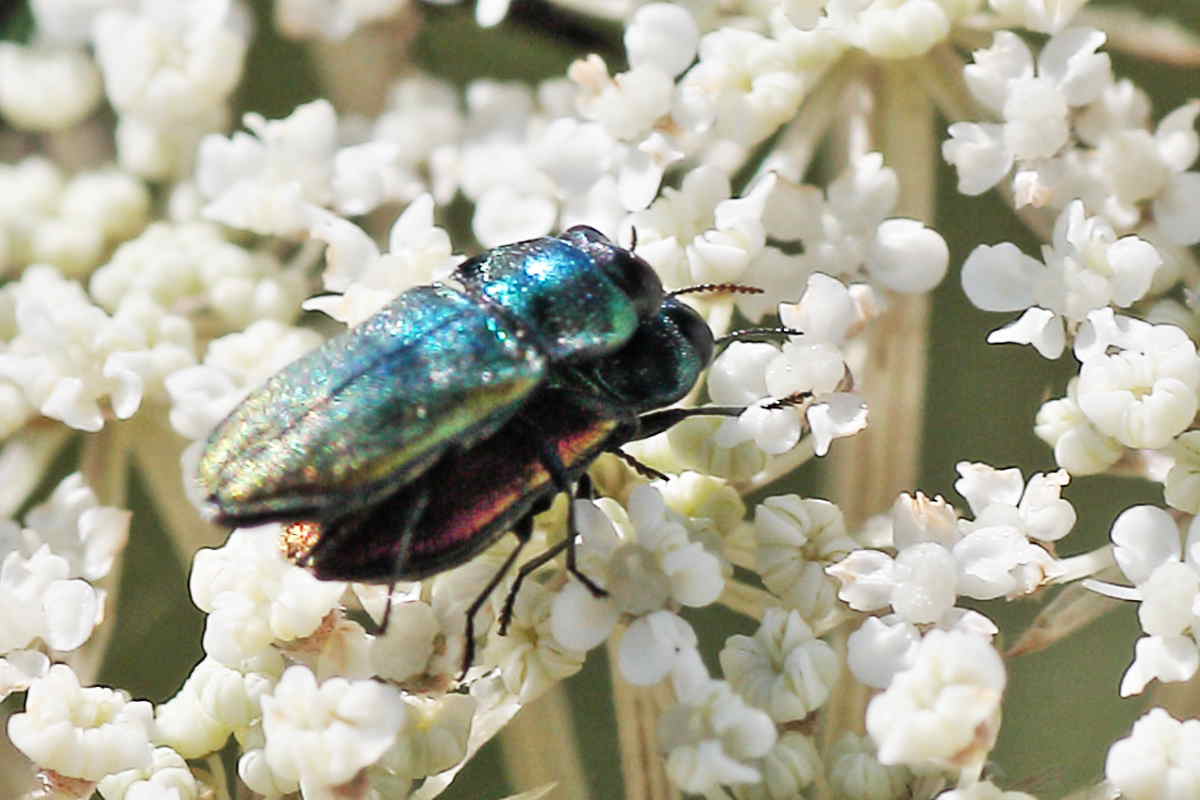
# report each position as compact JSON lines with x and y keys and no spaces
{"x":1169,"y":658}
{"x":838,"y":414}
{"x":579,"y":619}
{"x":908,"y":257}
{"x":1041,"y":328}
{"x":999,"y":277}
{"x":651,"y":645}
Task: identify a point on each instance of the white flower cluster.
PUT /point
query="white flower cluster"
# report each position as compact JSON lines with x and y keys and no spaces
{"x":1157,"y":760}
{"x":166,"y":67}
{"x":1138,"y":388}
{"x":765,"y":378}
{"x":712,"y":737}
{"x":1085,"y":269}
{"x":255,"y":598}
{"x":317,"y":724}
{"x":191,"y":268}
{"x":943,"y":710}
{"x":698,"y":234}
{"x":48,"y":217}
{"x":270,"y":180}
{"x":1163,"y":565}
{"x":65,"y":356}
{"x":796,"y":539}
{"x":648,"y":561}
{"x":1134,"y":179}
{"x":1000,"y":553}
{"x":882,"y":29}
{"x":47,"y":570}
{"x":87,"y":733}
{"x":1033,"y":100}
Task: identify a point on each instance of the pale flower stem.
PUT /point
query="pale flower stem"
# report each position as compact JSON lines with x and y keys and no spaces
{"x":1074,"y":607}
{"x":940,"y":76}
{"x":37,"y":447}
{"x":793,"y":153}
{"x":542,"y":745}
{"x":104,"y":463}
{"x":1085,"y":564}
{"x":157,"y":460}
{"x":1153,"y":38}
{"x":219,"y":782}
{"x":356,"y":73}
{"x":871,"y":468}
{"x":749,"y":601}
{"x":777,"y":467}
{"x":637,"y":711}
{"x":844,"y":711}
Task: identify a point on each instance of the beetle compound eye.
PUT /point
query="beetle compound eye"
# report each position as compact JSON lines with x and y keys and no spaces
{"x":692,"y":328}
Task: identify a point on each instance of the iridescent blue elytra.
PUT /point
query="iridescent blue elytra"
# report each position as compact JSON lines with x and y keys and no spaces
{"x":440,"y":368}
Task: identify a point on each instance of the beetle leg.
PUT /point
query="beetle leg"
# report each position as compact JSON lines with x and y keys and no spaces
{"x":528,"y":568}
{"x":387,"y":612}
{"x":585,"y":483}
{"x":583,"y":489}
{"x":523,"y":530}
{"x":558,"y":472}
{"x":408,"y":527}
{"x":548,"y":455}
{"x":645,"y":470}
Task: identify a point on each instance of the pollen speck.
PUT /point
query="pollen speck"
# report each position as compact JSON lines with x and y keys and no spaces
{"x":298,"y":539}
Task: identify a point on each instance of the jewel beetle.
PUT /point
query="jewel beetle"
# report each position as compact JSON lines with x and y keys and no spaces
{"x":441,"y":367}
{"x":413,"y":441}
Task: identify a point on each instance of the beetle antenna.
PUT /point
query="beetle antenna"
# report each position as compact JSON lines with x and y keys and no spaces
{"x":756,"y":334}
{"x":633,"y":237}
{"x":716,"y":288}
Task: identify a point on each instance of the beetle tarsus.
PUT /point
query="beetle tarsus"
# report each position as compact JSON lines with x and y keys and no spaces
{"x":645,"y":470}
{"x":572,"y":533}
{"x":387,"y":611}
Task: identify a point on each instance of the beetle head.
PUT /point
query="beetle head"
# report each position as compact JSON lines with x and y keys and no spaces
{"x":624,"y":267}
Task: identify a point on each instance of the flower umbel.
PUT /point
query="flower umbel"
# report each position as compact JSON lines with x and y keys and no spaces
{"x":702,"y":415}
